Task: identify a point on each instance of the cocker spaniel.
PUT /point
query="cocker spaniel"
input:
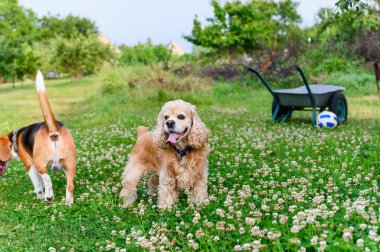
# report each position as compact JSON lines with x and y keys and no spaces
{"x":175,"y":152}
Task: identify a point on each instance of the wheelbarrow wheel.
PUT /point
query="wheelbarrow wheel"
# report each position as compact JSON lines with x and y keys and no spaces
{"x":283,"y":111}
{"x":338,"y":105}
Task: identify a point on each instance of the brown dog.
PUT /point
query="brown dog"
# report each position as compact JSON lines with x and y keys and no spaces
{"x":40,"y":146}
{"x":175,"y":152}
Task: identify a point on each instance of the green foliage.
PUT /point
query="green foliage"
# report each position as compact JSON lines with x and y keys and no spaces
{"x":16,"y":21}
{"x":239,"y":27}
{"x":354,"y":26}
{"x":27,"y":63}
{"x":332,"y":64}
{"x":27,"y":43}
{"x":357,"y":6}
{"x":355,"y":79}
{"x":17,"y":28}
{"x":10,"y":53}
{"x":53,"y":26}
{"x":113,"y":82}
{"x":143,"y":54}
{"x":120,"y":79}
{"x":80,"y":55}
{"x":44,"y":52}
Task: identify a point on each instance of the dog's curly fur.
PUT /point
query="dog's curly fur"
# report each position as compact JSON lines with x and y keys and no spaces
{"x":153,"y":154}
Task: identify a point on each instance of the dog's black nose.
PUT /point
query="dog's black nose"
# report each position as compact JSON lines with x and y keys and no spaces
{"x":170,"y":123}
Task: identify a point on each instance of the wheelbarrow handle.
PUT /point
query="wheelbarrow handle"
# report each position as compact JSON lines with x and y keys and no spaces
{"x":297,"y":67}
{"x":262,"y":79}
{"x":311,"y":95}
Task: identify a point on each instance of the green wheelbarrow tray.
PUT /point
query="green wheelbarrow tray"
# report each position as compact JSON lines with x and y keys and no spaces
{"x":285,"y":101}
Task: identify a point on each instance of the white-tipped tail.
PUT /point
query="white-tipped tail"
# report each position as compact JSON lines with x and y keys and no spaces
{"x":40,"y":82}
{"x":50,"y":121}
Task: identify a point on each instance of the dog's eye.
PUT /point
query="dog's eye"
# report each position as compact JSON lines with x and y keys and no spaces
{"x":166,"y":117}
{"x":181,"y":117}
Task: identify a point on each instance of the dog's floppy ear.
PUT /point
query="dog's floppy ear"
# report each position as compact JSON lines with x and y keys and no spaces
{"x":159,"y":136}
{"x":5,"y":148}
{"x":199,"y":133}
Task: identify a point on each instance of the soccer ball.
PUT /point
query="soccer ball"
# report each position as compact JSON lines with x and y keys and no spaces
{"x":327,"y":119}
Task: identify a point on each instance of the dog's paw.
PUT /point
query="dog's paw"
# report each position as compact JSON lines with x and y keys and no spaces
{"x":152,"y":193}
{"x":127,"y":197}
{"x":49,"y":198}
{"x":40,"y":195}
{"x":165,"y":205}
{"x":69,"y":200}
{"x":199,"y":198}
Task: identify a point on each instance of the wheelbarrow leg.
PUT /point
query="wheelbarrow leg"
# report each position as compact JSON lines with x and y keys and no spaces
{"x":277,"y":109}
{"x":287,"y":115}
{"x":314,"y":115}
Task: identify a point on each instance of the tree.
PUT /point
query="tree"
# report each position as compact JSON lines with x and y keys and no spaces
{"x":354,"y":27}
{"x":53,"y":26}
{"x":248,"y":26}
{"x":16,"y":21}
{"x":10,"y":53}
{"x":80,"y":55}
{"x":143,"y":53}
{"x":351,"y":5}
{"x":55,"y":34}
{"x":17,"y":29}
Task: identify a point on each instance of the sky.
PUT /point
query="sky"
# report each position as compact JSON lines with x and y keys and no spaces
{"x":132,"y":21}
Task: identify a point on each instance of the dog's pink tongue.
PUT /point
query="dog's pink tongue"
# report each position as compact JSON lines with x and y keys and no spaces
{"x":172,"y":138}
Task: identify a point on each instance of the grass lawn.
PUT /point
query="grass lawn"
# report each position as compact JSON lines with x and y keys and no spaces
{"x":273,"y":187}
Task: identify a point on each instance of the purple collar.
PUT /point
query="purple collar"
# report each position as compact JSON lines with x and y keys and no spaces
{"x":2,"y":166}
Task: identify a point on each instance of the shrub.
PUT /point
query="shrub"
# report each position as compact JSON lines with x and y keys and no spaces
{"x":143,"y":54}
{"x":223,"y":72}
{"x":113,"y":82}
{"x":145,"y":78}
{"x":355,"y":79}
{"x":332,"y":64}
{"x":80,"y":55}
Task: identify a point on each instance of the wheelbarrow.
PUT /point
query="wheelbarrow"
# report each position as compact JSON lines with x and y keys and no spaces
{"x":285,"y":101}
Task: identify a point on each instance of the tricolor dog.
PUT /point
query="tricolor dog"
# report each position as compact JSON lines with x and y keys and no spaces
{"x":41,"y":146}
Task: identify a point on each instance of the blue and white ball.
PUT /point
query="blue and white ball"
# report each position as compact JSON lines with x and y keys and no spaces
{"x":327,"y":119}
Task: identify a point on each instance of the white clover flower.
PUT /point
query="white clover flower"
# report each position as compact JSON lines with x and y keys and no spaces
{"x":237,"y":248}
{"x":322,"y":245}
{"x":255,"y":231}
{"x":347,"y":236}
{"x":362,"y":226}
{"x":246,"y":246}
{"x":283,"y":219}
{"x":295,"y":229}
{"x":314,"y":240}
{"x":294,"y":241}
{"x":250,"y":221}
{"x":360,"y":243}
{"x":192,"y":244}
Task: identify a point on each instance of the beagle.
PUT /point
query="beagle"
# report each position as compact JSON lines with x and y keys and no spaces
{"x":40,"y":146}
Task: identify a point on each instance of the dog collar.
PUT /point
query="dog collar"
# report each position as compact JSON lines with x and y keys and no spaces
{"x":183,"y":152}
{"x":2,"y":167}
{"x":14,"y":141}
